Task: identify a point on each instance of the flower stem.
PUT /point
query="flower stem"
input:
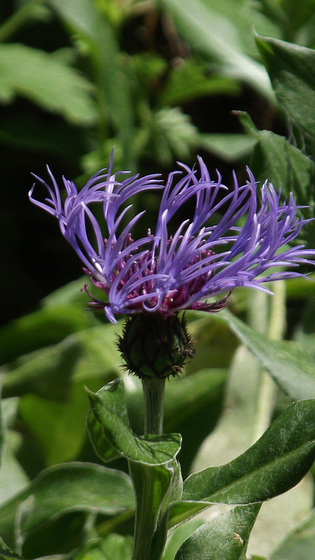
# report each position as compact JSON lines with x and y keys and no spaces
{"x":153,"y":392}
{"x":151,"y":521}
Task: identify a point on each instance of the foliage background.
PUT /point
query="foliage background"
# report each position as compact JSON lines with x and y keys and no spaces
{"x":162,"y":81}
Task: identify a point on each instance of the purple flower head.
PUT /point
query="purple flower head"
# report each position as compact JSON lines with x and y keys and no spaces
{"x":194,"y":265}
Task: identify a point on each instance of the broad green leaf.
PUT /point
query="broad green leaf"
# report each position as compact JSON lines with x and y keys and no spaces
{"x":291,"y":70}
{"x":12,"y":476}
{"x":69,"y":294}
{"x":63,"y":489}
{"x":224,"y":538}
{"x":287,"y":362}
{"x":49,"y":372}
{"x":217,"y":30}
{"x":110,"y":433}
{"x":47,"y":81}
{"x":41,"y":328}
{"x":57,"y":427}
{"x":112,"y":547}
{"x":300,"y":544}
{"x":275,"y":463}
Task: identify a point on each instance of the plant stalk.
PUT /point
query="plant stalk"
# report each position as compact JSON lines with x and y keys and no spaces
{"x":153,"y":392}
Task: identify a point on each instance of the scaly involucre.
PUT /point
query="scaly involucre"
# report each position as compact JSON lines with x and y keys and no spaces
{"x":193,"y":264}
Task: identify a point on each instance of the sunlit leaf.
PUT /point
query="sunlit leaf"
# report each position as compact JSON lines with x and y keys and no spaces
{"x":287,"y":362}
{"x":275,"y":463}
{"x":110,"y":433}
{"x":217,"y":30}
{"x":224,"y":538}
{"x":47,"y":81}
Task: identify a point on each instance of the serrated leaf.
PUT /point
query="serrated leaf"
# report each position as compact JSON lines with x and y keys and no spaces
{"x":287,"y":362}
{"x":291,"y":70}
{"x":275,"y":463}
{"x":169,"y":134}
{"x":62,"y":489}
{"x":46,"y":81}
{"x":224,"y":538}
{"x":111,"y":433}
{"x":280,"y":162}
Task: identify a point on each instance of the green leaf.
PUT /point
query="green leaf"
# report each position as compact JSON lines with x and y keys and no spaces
{"x":12,"y":477}
{"x":178,"y":536}
{"x":230,"y":147}
{"x":190,"y":80}
{"x":280,"y":162}
{"x":1,"y":435}
{"x":218,"y":30}
{"x":49,"y":372}
{"x":300,"y":544}
{"x":287,"y":362}
{"x":63,"y":489}
{"x":7,"y":553}
{"x":291,"y":70}
{"x":275,"y":463}
{"x":113,"y":88}
{"x":39,"y":329}
{"x":224,"y":538}
{"x":168,"y":134}
{"x":109,"y":430}
{"x":47,"y":81}
{"x":156,"y":486}
{"x":113,"y":546}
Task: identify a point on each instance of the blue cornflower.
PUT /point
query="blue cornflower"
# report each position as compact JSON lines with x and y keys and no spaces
{"x":175,"y":267}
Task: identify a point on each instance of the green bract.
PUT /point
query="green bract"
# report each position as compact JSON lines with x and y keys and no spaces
{"x":154,"y":346}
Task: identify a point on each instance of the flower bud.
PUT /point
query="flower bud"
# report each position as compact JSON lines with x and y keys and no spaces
{"x":155,"y":346}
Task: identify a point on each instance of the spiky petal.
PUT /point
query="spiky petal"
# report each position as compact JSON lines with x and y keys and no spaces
{"x":177,"y":265}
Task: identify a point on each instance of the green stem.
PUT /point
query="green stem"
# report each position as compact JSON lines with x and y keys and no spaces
{"x":151,"y":521}
{"x":153,"y":392}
